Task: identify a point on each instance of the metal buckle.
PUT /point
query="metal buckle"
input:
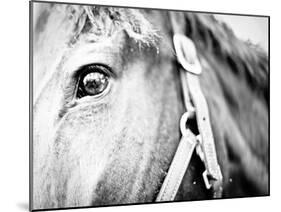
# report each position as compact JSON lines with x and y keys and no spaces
{"x":186,"y":54}
{"x":210,"y":179}
{"x":206,"y":179}
{"x":207,"y":176}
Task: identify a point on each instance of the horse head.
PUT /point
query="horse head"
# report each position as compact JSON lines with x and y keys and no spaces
{"x":107,"y":103}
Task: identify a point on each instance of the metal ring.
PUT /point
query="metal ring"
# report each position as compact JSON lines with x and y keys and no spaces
{"x":187,"y":115}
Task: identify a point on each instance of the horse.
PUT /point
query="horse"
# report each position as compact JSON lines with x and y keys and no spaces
{"x":107,"y":101}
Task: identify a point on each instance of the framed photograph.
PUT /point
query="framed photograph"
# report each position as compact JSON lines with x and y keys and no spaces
{"x":139,"y":106}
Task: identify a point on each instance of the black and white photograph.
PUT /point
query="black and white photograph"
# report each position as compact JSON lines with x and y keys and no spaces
{"x":135,"y":105}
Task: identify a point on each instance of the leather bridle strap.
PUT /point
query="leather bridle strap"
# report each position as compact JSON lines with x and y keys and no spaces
{"x":178,"y":167}
{"x":196,"y":105}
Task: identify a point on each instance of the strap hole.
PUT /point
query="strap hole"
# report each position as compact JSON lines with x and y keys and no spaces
{"x":192,"y":125}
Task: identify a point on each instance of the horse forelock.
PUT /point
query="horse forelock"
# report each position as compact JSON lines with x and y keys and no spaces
{"x":100,"y":22}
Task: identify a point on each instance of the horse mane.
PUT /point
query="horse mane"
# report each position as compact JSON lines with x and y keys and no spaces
{"x":241,"y":69}
{"x":245,"y":59}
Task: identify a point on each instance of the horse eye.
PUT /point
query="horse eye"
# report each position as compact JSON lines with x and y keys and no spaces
{"x":93,"y":82}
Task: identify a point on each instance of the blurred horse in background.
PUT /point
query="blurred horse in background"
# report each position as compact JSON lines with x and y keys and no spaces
{"x":107,"y":103}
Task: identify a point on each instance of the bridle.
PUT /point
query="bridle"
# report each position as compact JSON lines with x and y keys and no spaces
{"x":196,"y":107}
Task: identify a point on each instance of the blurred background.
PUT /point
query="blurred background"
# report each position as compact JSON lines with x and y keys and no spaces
{"x":250,"y":28}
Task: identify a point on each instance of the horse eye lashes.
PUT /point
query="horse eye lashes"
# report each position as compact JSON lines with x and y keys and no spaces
{"x":93,"y":68}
